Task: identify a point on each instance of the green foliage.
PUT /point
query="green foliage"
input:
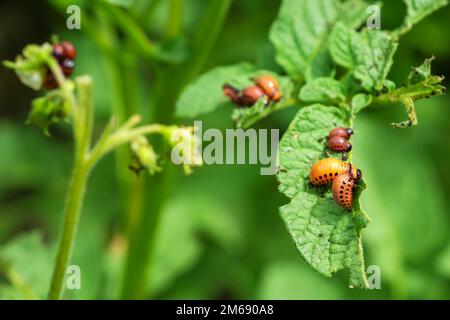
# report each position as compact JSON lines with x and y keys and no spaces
{"x":74,"y":100}
{"x":26,"y":262}
{"x":374,"y":59}
{"x":205,"y":94}
{"x":300,"y":48}
{"x":48,"y":110}
{"x":369,"y":55}
{"x":303,"y":144}
{"x":420,"y":9}
{"x":144,"y":155}
{"x":291,"y":280}
{"x":443,"y":263}
{"x":360,"y":101}
{"x":327,"y":236}
{"x":122,"y":3}
{"x":31,"y":66}
{"x":206,"y":225}
{"x":179,"y":245}
{"x":323,"y":90}
{"x":420,"y":84}
{"x":343,"y":45}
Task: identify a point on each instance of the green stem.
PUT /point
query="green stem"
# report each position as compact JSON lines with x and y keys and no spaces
{"x":125,"y":103}
{"x":175,"y":19}
{"x":145,"y":9}
{"x":247,"y":123}
{"x":206,"y":36}
{"x":82,"y":115}
{"x":204,"y":40}
{"x":134,"y":189}
{"x":138,"y":267}
{"x":142,"y":241}
{"x":420,"y":90}
{"x":135,"y":35}
{"x":75,"y":195}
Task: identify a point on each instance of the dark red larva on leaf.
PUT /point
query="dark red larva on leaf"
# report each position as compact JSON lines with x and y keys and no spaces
{"x":245,"y":98}
{"x":232,"y":93}
{"x":345,"y":133}
{"x":250,"y":95}
{"x":50,"y":81}
{"x":65,"y":53}
{"x":69,"y":50}
{"x":58,"y":52}
{"x":265,"y":87}
{"x":67,"y":67}
{"x":339,"y":144}
{"x":64,"y":50}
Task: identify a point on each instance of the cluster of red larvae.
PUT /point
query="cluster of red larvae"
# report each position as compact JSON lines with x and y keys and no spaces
{"x":65,"y":53}
{"x":338,"y":140}
{"x":343,"y":175}
{"x":265,"y":87}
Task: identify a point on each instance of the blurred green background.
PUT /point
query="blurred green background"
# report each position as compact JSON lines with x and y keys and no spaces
{"x":219,"y":234}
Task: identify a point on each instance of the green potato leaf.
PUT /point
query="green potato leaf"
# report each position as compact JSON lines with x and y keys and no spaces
{"x":48,"y":110}
{"x":323,"y":90}
{"x":327,"y":236}
{"x":360,"y":101}
{"x":418,"y":10}
{"x":31,"y":67}
{"x":26,"y":263}
{"x":343,"y":46}
{"x":205,"y":94}
{"x":300,"y":34}
{"x":368,"y":55}
{"x":376,"y":51}
{"x":420,"y":84}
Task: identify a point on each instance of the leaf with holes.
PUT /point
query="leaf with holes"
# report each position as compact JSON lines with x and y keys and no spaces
{"x":369,"y":54}
{"x":327,"y":236}
{"x":304,"y":143}
{"x":421,"y":83}
{"x":376,"y":51}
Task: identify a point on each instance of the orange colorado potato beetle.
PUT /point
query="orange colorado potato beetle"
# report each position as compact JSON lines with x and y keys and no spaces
{"x":326,"y":170}
{"x":343,"y":188}
{"x":269,"y":85}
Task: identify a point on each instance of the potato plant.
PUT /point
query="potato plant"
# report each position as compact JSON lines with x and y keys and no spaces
{"x":334,"y":68}
{"x":139,"y":227}
{"x":71,"y":101}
